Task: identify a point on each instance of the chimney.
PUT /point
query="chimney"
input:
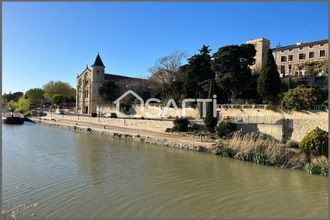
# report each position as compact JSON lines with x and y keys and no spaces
{"x":299,"y":43}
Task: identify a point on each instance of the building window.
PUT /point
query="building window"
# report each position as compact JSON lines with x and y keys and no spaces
{"x":302,"y":56}
{"x":290,"y":49}
{"x":311,"y":55}
{"x":322,"y":53}
{"x":282,"y":69}
{"x":322,"y":44}
{"x":300,"y":48}
{"x":290,"y":68}
{"x":290,"y":57}
{"x":310,"y":46}
{"x":283,"y":58}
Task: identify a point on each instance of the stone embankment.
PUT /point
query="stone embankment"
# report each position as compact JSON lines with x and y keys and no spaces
{"x":142,"y":136}
{"x":292,"y":159}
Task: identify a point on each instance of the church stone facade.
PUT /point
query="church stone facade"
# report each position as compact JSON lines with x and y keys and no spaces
{"x":291,"y":60}
{"x":89,"y":83}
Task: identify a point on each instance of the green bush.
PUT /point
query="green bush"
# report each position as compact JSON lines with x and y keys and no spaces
{"x":325,"y":104}
{"x":300,"y":98}
{"x":246,"y":156}
{"x":197,"y":127}
{"x":226,"y":152}
{"x":181,"y":124}
{"x":224,"y":129}
{"x":319,"y":169}
{"x":315,"y":143}
{"x":292,"y":144}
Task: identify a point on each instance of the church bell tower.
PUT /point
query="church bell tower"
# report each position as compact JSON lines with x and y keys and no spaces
{"x":97,"y":80}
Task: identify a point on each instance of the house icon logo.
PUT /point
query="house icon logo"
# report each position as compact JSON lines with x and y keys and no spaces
{"x":128,"y":92}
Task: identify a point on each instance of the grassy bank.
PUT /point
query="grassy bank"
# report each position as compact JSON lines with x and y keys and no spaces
{"x":267,"y":151}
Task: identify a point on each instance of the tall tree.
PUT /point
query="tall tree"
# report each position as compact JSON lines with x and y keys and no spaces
{"x":53,"y":88}
{"x":164,"y":73}
{"x":233,"y":74}
{"x":23,"y":105}
{"x":35,"y":96}
{"x":12,"y":96}
{"x":269,"y":82}
{"x":210,"y":121}
{"x":197,"y":72}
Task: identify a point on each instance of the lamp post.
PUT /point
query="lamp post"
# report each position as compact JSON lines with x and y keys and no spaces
{"x":98,"y":113}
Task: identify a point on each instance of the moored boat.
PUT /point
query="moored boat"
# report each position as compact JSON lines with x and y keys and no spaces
{"x":12,"y":118}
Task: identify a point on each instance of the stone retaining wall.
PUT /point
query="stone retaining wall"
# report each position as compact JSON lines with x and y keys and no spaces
{"x":139,"y":138}
{"x":271,"y":129}
{"x":295,"y":124}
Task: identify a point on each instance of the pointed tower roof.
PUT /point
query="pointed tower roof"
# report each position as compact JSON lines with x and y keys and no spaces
{"x":98,"y":61}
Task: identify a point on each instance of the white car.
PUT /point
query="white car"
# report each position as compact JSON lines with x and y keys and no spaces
{"x":110,"y":115}
{"x":59,"y":111}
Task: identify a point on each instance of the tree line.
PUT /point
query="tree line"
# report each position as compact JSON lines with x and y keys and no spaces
{"x":228,"y":69}
{"x":52,"y":93}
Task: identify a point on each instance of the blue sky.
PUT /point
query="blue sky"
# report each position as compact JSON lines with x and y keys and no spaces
{"x":55,"y":41}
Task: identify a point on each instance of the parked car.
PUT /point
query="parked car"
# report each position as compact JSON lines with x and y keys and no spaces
{"x":110,"y":115}
{"x":59,"y":111}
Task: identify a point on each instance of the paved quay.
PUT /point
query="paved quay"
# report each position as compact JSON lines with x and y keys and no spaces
{"x":139,"y":130}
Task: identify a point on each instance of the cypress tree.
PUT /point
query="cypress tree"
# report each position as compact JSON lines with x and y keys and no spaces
{"x":210,"y":121}
{"x":269,"y":82}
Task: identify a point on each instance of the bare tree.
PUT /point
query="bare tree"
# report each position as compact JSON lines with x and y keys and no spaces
{"x":165,"y":71}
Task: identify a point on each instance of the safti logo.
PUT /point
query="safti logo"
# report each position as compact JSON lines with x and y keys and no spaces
{"x":170,"y":102}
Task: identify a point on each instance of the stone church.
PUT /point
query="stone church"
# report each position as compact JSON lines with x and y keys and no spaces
{"x":89,"y":83}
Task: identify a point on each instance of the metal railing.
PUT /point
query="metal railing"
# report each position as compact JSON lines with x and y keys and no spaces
{"x":247,"y":106}
{"x":251,"y":119}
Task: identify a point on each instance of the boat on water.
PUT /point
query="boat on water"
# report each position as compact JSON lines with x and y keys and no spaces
{"x":12,"y":118}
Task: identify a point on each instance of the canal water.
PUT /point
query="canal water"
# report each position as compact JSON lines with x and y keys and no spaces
{"x":64,"y":174}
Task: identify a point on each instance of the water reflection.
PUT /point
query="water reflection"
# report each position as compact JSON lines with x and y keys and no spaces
{"x":84,"y":176}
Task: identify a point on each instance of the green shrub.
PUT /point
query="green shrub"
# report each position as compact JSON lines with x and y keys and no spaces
{"x":246,"y":156}
{"x":325,"y":104}
{"x":226,"y":152}
{"x":224,"y":129}
{"x":181,"y":124}
{"x":292,"y":144}
{"x":261,"y":158}
{"x":300,"y":98}
{"x":315,"y":143}
{"x":197,"y":127}
{"x":319,"y":169}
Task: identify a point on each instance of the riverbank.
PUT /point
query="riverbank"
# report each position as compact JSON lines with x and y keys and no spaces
{"x":143,"y":135}
{"x":247,"y":149}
